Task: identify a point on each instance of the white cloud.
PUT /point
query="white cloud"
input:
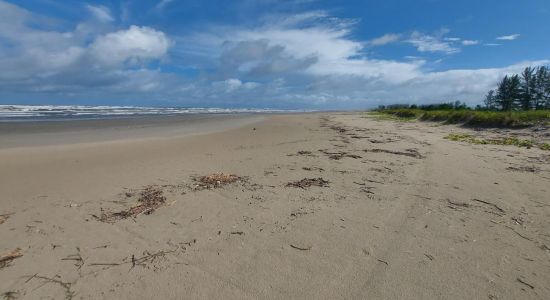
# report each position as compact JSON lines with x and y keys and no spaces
{"x":84,"y":60}
{"x":384,"y":40}
{"x":491,"y":44}
{"x":429,"y":43}
{"x":301,"y":60}
{"x":137,"y":44}
{"x":100,"y":12}
{"x":510,"y":37}
{"x":469,"y":42}
{"x":452,"y":39}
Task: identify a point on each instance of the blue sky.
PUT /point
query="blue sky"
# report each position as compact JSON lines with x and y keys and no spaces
{"x":265,"y":53}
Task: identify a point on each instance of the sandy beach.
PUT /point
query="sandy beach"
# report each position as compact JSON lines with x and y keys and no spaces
{"x":395,"y":210}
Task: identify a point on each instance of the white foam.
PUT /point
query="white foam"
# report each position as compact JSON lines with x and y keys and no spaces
{"x":31,"y":112}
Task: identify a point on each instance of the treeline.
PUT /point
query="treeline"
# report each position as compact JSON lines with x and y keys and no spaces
{"x":526,"y":91}
{"x":529,"y":90}
{"x":456,"y":105}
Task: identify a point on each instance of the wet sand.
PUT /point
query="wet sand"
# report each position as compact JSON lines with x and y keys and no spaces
{"x":406,"y":214}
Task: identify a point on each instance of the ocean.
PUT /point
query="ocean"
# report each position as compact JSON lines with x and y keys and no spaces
{"x":22,"y":113}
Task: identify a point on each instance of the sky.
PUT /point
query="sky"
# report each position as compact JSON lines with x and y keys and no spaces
{"x":301,"y":54}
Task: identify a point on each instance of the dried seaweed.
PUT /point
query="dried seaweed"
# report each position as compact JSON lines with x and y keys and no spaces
{"x":4,"y":217}
{"x":216,"y":180}
{"x":150,"y":198}
{"x":6,"y":259}
{"x":408,"y":152}
{"x":339,"y":155}
{"x":308,"y":182}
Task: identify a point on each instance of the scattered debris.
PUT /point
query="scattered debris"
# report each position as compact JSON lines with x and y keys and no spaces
{"x":527,"y":284}
{"x":237,"y":232}
{"x":150,"y":199}
{"x":307,"y":182}
{"x":10,"y":295}
{"x":197,"y":219}
{"x":313,"y":169}
{"x":461,"y":204}
{"x":490,"y":204}
{"x":338,"y":128}
{"x":79,"y":261}
{"x":69,"y":294}
{"x":4,"y":217}
{"x":6,"y":259}
{"x":148,"y":258}
{"x":303,"y":153}
{"x":301,"y":248}
{"x":530,"y":169}
{"x":408,"y":152}
{"x":518,"y":220}
{"x":339,"y":155}
{"x":216,"y":180}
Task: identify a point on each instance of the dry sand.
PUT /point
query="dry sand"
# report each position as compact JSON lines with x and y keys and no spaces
{"x":406,"y":214}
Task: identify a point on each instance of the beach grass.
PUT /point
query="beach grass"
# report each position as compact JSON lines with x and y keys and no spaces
{"x":472,"y":117}
{"x":510,"y":141}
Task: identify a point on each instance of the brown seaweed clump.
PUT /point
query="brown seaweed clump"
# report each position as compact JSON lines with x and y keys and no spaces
{"x":150,"y":198}
{"x":216,"y":180}
{"x":308,"y":182}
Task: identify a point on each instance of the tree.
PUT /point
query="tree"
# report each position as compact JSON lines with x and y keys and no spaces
{"x":528,"y":85}
{"x":490,"y":99}
{"x":508,"y":92}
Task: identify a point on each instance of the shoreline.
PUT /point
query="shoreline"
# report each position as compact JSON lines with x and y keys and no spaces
{"x":51,"y":133}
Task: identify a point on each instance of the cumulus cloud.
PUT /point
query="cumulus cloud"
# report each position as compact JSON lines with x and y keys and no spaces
{"x":510,"y":37}
{"x":135,"y":45}
{"x":259,"y":58}
{"x":300,"y":60}
{"x":47,"y":61}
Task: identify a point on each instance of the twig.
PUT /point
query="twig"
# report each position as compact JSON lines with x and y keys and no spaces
{"x":527,"y":284}
{"x":31,"y":277}
{"x":197,"y":219}
{"x":300,"y":248}
{"x":382,"y":261}
{"x":489,"y":203}
{"x":521,"y":235}
{"x":104,"y":264}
